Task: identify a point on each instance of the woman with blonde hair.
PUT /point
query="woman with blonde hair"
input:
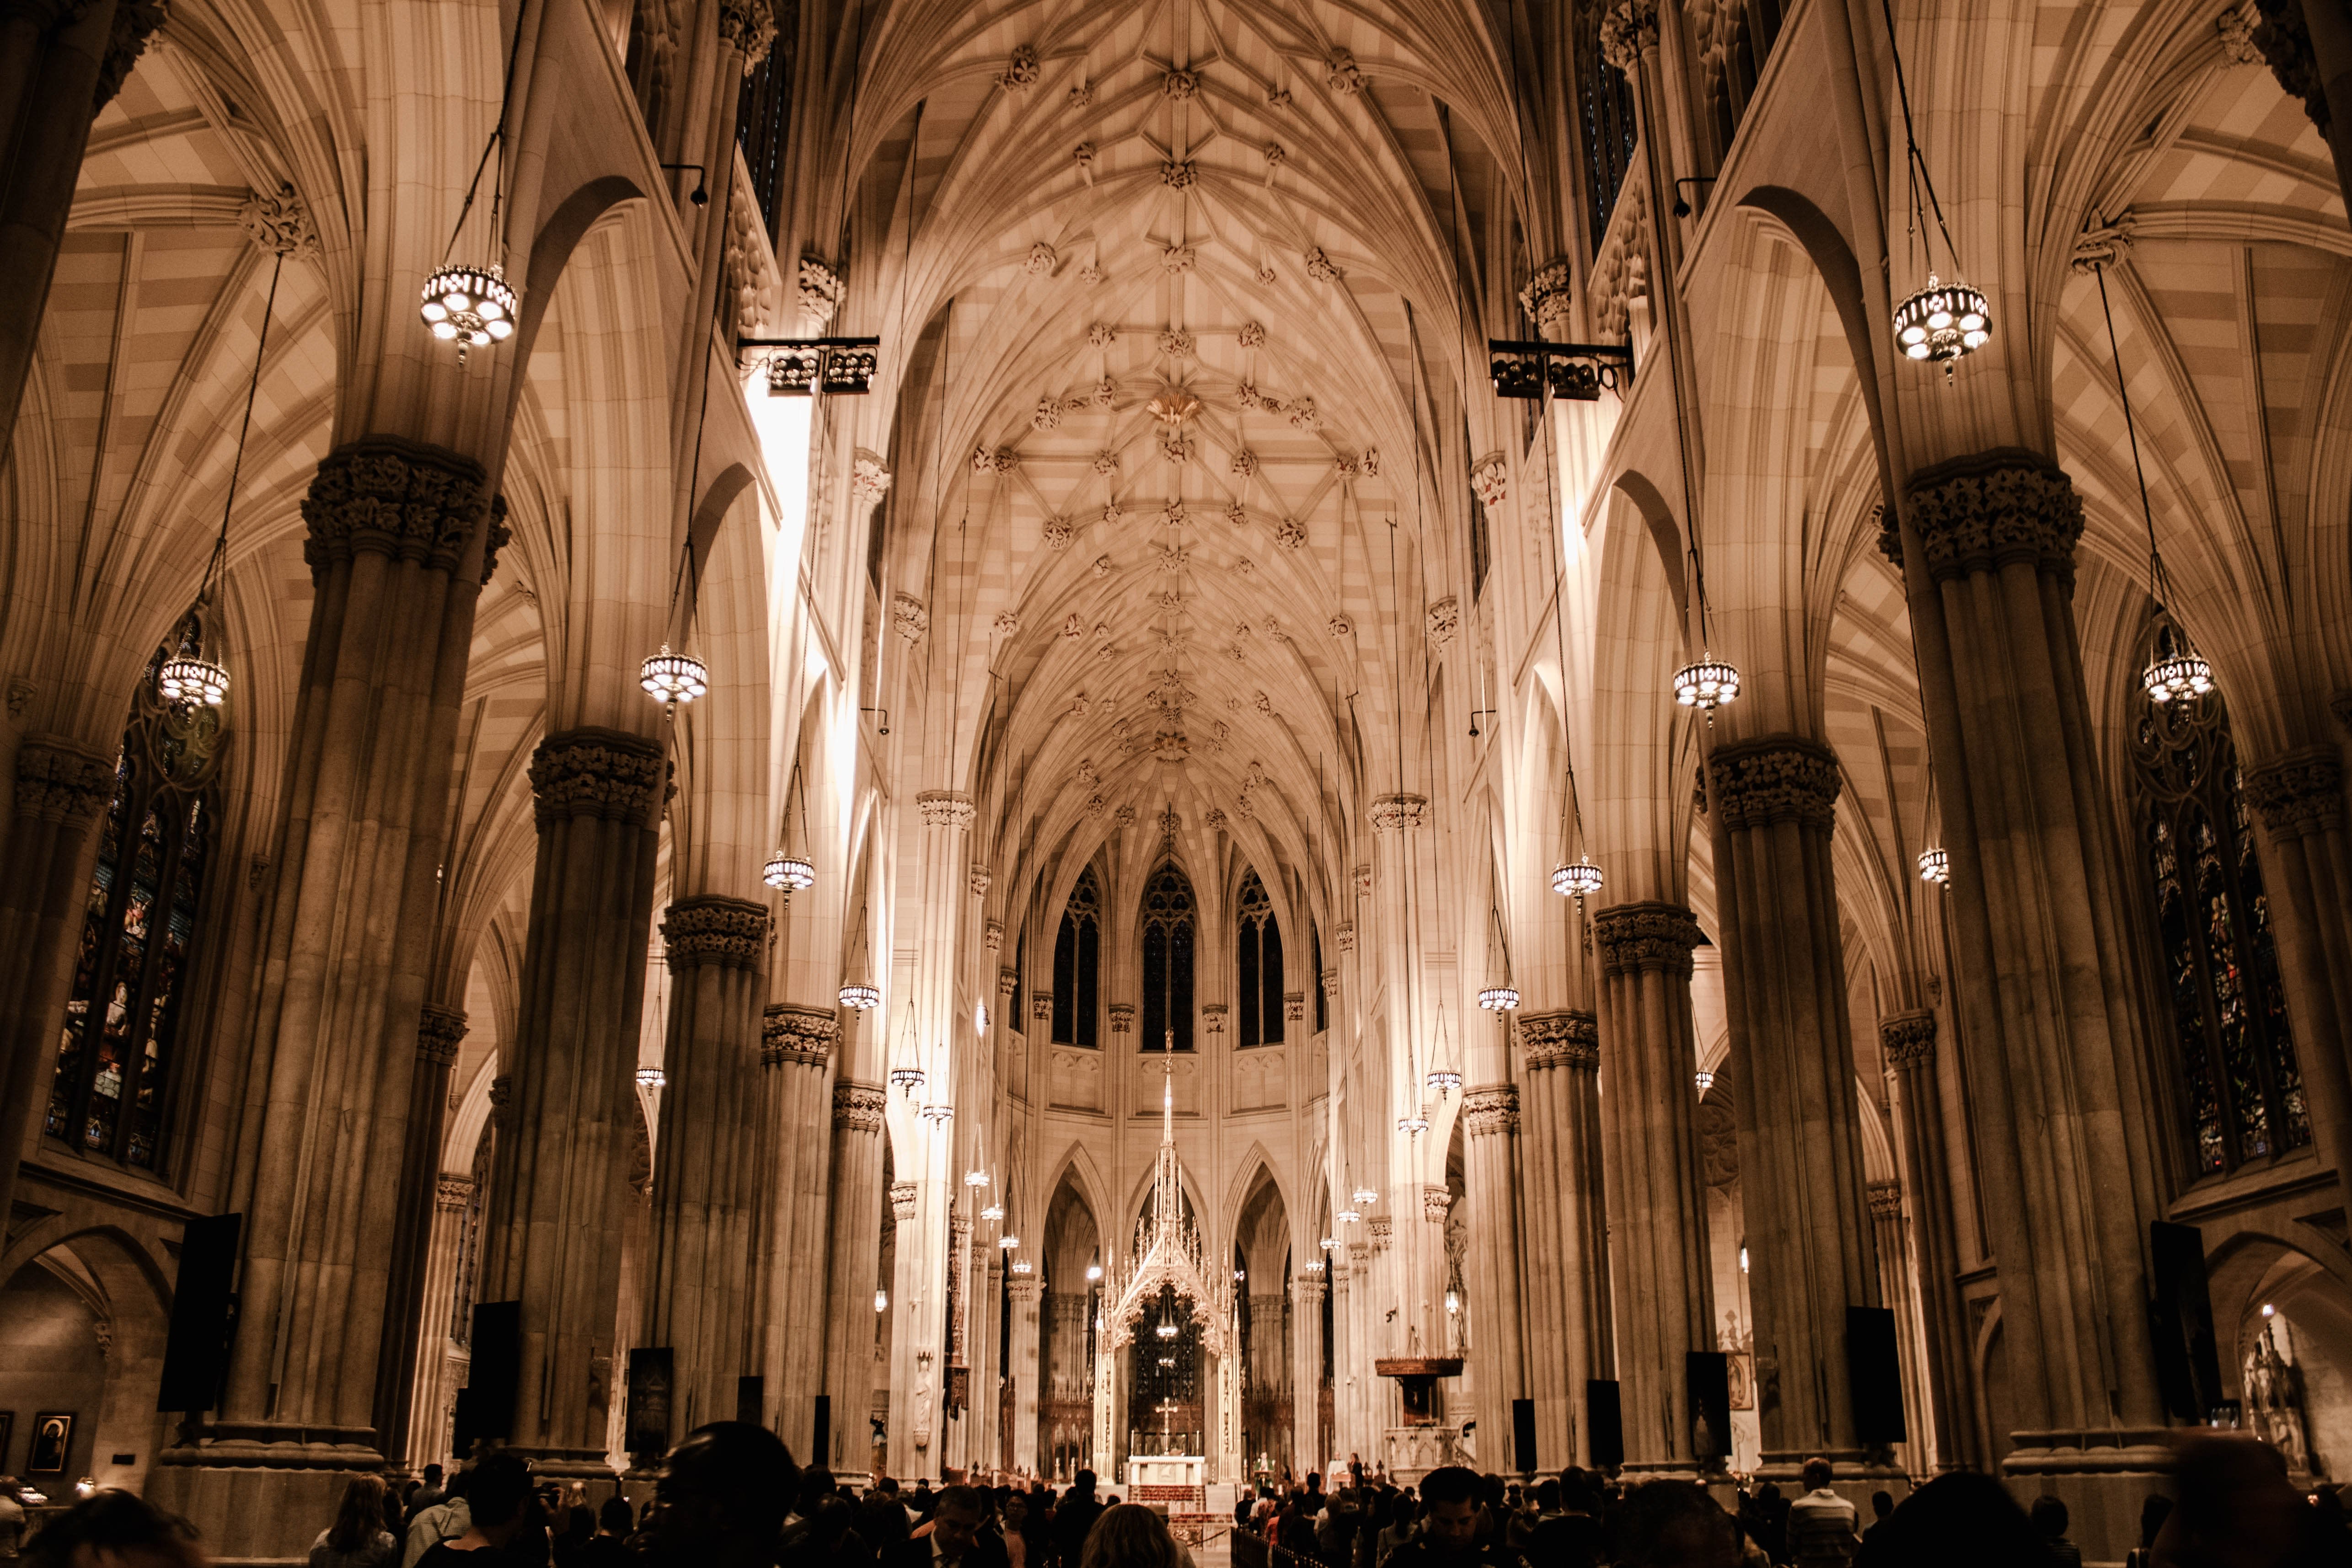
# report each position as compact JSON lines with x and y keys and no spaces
{"x":357,"y":1539}
{"x":1130,"y":1535}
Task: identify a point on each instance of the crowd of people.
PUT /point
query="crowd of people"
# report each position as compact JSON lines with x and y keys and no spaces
{"x":730,"y":1496}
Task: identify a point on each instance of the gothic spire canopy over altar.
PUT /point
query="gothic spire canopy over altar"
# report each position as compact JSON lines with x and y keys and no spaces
{"x":1166,"y":1252}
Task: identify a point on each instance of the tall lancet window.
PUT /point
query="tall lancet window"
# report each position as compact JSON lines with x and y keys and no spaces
{"x":2244,"y":1093}
{"x":1077,"y":964}
{"x":1167,"y":941}
{"x":1257,"y":938}
{"x":139,"y":928}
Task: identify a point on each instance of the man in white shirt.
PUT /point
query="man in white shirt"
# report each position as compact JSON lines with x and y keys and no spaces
{"x":1822,"y":1523}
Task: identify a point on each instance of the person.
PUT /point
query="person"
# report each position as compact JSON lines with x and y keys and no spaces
{"x":12,"y":1519}
{"x":1128,"y":1535}
{"x":443,"y":1520}
{"x":1822,"y":1523}
{"x":720,"y":1497}
{"x":1673,"y":1524}
{"x":920,"y":1505}
{"x":1244,"y":1504}
{"x":830,"y":1539}
{"x":357,"y":1539}
{"x":1450,"y":1497}
{"x":426,"y":1494}
{"x":881,"y":1524}
{"x":1013,"y":1522}
{"x":607,"y":1547}
{"x":572,"y":1540}
{"x":113,"y":1527}
{"x":1962,"y":1519}
{"x":1882,"y":1503}
{"x":500,"y":1508}
{"x":2233,"y":1506}
{"x":1074,"y":1518}
{"x":2154,"y":1510}
{"x":952,"y":1536}
{"x":1335,"y":1536}
{"x":2049,"y":1515}
{"x":1765,"y":1516}
{"x":1397,"y":1530}
{"x":1567,"y":1532}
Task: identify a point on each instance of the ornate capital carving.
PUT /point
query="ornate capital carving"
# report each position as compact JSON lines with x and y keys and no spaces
{"x":908,"y":614}
{"x":1040,"y":1006}
{"x":394,"y":497}
{"x":1381,"y":1228}
{"x":1491,"y":1110}
{"x":1008,"y":979}
{"x":439,"y":1032}
{"x":729,"y":932}
{"x":982,"y":879}
{"x":1023,"y":1291}
{"x":1886,"y":1198}
{"x":1294,"y":1006}
{"x":135,"y":22}
{"x":605,"y":773}
{"x":62,"y":781}
{"x":1983,"y":512}
{"x":453,"y":1192}
{"x":859,"y":1107}
{"x":992,"y":934}
{"x":1394,"y":813}
{"x":1305,"y":1293}
{"x":748,"y":27}
{"x":1635,"y":937}
{"x":1122,"y":1018}
{"x":277,"y":222}
{"x":1213,"y":1017}
{"x":1777,"y":778}
{"x":2284,"y":38}
{"x":1908,"y":1039}
{"x":1630,"y":29}
{"x":902,"y":1201}
{"x":944,"y":809}
{"x":1344,"y":936}
{"x":1436,"y":1201}
{"x":2299,"y":792}
{"x":1444,"y":620}
{"x":1549,"y":300}
{"x":801,"y":1035}
{"x":1563,"y":1039}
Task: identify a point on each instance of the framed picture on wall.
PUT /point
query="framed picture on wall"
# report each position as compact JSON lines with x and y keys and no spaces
{"x":52,"y":1442}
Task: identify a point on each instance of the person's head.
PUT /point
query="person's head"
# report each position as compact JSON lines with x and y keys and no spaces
{"x":616,"y":1517}
{"x":1817,"y":1474}
{"x":1128,"y":1535}
{"x":1547,"y":1496}
{"x":1400,"y":1509}
{"x":2049,"y":1515}
{"x":458,"y":1485}
{"x":2233,"y":1501}
{"x":433,"y":1475}
{"x":957,"y":1519}
{"x":1084,"y":1486}
{"x":1962,"y":1519}
{"x":359,"y":1519}
{"x":1882,"y":1503}
{"x":1673,"y":1524}
{"x":9,"y":1487}
{"x":499,"y":1495}
{"x":1449,"y":1515}
{"x":881,"y":1522}
{"x":1576,"y":1491}
{"x":579,"y":1523}
{"x":113,"y":1529}
{"x":1016,"y":1509}
{"x":721,"y":1495}
{"x":816,"y":1485}
{"x":887,"y":1486}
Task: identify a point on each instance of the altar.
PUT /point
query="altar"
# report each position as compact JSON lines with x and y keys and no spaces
{"x":1154,"y":1471}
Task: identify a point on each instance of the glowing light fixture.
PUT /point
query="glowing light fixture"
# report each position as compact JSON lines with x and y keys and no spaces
{"x":993,"y":1213}
{"x":2178,"y":672}
{"x":1942,"y":322}
{"x":790,"y":873}
{"x":1935,"y":865}
{"x":673,"y":679}
{"x":1166,"y":1330}
{"x":1020,"y":1266}
{"x":1453,"y":1303}
{"x":857,"y":994}
{"x":937,"y":1115}
{"x":651,"y":1077}
{"x":1364,"y":1194}
{"x":1008,"y":1242}
{"x":1706,"y":685}
{"x":975,"y":1179}
{"x":1705,"y":1080}
{"x":1348,"y":1216}
{"x":1577,"y":879}
{"x":1412,"y":1124}
{"x":907,"y":1078}
{"x":1094,"y":1272}
{"x":1444,"y":1080}
{"x":472,"y":307}
{"x":881,"y":1301}
{"x":1499,"y":999}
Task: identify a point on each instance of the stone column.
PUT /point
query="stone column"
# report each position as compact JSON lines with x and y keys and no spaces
{"x":1491,"y":1174}
{"x":1657,"y":1197}
{"x":439,"y":1032}
{"x":2064,"y":1112}
{"x":62,"y":789}
{"x":402,"y":537}
{"x":1807,"y":1219}
{"x":431,"y":1389}
{"x":1306,"y":1369}
{"x":1909,"y":1042}
{"x":853,"y":1227}
{"x":1568,"y":1226}
{"x":1353,"y":1385}
{"x":797,"y":1047}
{"x":1894,"y":1291}
{"x":1022,"y":1374}
{"x":560,"y":1197}
{"x":699,"y":1284}
{"x":2306,"y":863}
{"x":62,"y":61}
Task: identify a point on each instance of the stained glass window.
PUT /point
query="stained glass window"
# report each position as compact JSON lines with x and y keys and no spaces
{"x":1604,"y":121}
{"x":139,"y":925}
{"x":1168,"y":936}
{"x":1258,"y":940}
{"x":2243,"y":1093}
{"x":1077,"y":964}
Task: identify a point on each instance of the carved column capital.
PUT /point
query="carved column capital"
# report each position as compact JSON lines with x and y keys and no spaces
{"x":982,"y":879}
{"x":135,"y":22}
{"x":1023,"y":1291}
{"x":453,"y":1193}
{"x":1563,"y":1039}
{"x":729,"y":932}
{"x":859,"y":1107}
{"x":1122,"y":1018}
{"x":803,"y":1036}
{"x":62,"y":781}
{"x":1908,"y":1039}
{"x":1549,"y":300}
{"x":1381,"y":1228}
{"x":1984,"y":511}
{"x":1636,"y":937}
{"x":277,"y":222}
{"x":2299,"y":792}
{"x":439,"y":1032}
{"x":1306,"y":1294}
{"x":1344,"y":934}
{"x":1436,"y":1202}
{"x":603,"y":773}
{"x":1393,"y":813}
{"x":748,"y":27}
{"x":902,"y":1201}
{"x":393,"y":498}
{"x":1886,"y":1198}
{"x":1485,"y":1112}
{"x":944,"y":809}
{"x":1776,"y":779}
{"x":1630,"y":29}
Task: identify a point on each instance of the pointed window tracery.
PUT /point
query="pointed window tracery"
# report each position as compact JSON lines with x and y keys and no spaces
{"x":2219,"y":960}
{"x":1077,"y":964}
{"x":110,"y":1093}
{"x":1168,"y":944}
{"x":1257,"y":940}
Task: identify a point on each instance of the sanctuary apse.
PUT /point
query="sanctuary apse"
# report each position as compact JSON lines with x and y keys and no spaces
{"x":1218,"y":732}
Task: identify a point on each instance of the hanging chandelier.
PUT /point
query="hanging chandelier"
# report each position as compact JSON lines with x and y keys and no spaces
{"x":1706,"y":685}
{"x":1020,"y":1266}
{"x":2178,"y":672}
{"x":1577,"y":878}
{"x":1705,"y":1080}
{"x":993,"y":1213}
{"x":1935,"y":865}
{"x":651,"y":1078}
{"x":788,"y":871}
{"x":1444,"y":1080}
{"x":975,"y":1179}
{"x":190,"y":681}
{"x":1166,"y":1330}
{"x":937,"y":1115}
{"x":1008,"y":1242}
{"x":1498,"y":999}
{"x":1942,"y":322}
{"x":857,"y":994}
{"x":907,"y":1078}
{"x":673,"y":679}
{"x":1412,"y":1124}
{"x":1364,"y":1194}
{"x":1348,"y":1216}
{"x":473,"y":307}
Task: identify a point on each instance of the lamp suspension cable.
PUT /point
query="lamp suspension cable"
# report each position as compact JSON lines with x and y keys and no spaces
{"x":1943,"y":321}
{"x":2176,"y":672}
{"x":788,"y":868}
{"x":469,"y":304}
{"x":194,"y":679}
